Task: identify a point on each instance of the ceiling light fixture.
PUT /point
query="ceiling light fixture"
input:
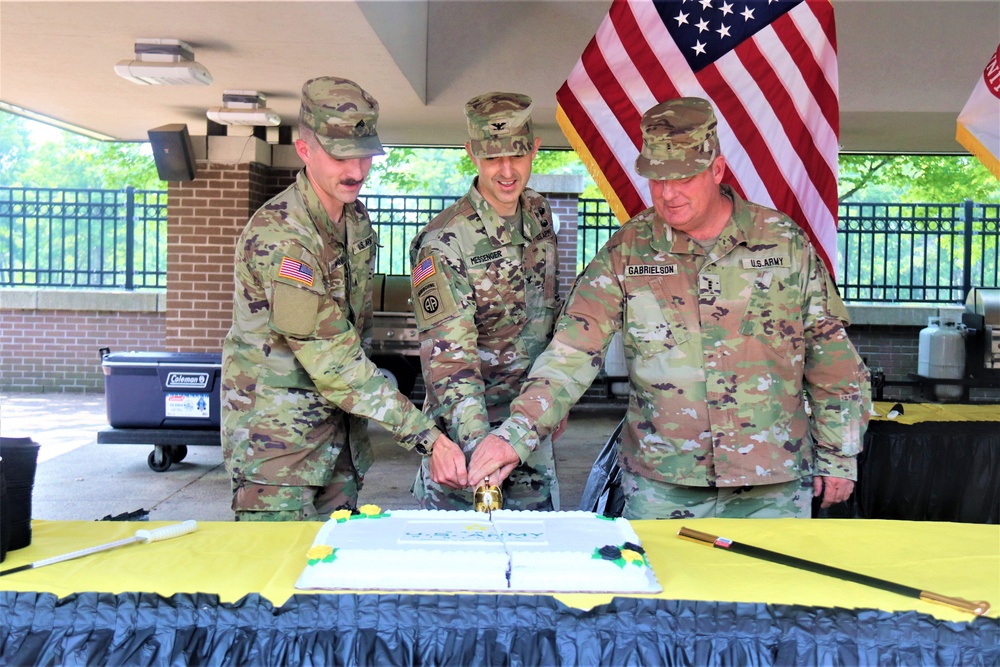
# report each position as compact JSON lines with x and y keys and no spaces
{"x":165,"y":62}
{"x":243,"y":107}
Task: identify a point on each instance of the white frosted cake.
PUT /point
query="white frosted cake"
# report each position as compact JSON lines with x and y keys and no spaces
{"x":471,"y":551}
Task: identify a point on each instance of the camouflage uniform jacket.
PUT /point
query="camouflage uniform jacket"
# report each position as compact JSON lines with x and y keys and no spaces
{"x":486,"y":312}
{"x":297,"y":384}
{"x":719,"y":355}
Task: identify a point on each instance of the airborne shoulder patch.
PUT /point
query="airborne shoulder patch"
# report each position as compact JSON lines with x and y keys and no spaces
{"x":433,"y":301}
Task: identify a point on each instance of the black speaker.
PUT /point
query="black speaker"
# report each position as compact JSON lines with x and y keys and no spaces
{"x":172,"y":152}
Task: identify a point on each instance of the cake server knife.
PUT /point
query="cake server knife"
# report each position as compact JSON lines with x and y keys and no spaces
{"x":143,"y":536}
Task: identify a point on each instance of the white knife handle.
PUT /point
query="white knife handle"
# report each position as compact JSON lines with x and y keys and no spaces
{"x":166,"y":532}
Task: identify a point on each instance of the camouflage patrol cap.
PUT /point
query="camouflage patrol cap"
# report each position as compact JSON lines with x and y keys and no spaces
{"x":499,"y":124}
{"x":679,"y":139}
{"x":342,"y":115}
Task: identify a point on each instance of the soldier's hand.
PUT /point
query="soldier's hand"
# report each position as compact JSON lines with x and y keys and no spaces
{"x":560,"y":429}
{"x":448,"y":464}
{"x":493,"y":457}
{"x":833,"y":489}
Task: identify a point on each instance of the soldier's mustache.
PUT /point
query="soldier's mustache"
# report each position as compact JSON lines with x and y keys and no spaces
{"x":351,"y":182}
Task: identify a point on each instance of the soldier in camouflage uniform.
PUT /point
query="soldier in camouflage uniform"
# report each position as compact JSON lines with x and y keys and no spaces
{"x":298,"y":388}
{"x":485,"y":294}
{"x":731,"y":326}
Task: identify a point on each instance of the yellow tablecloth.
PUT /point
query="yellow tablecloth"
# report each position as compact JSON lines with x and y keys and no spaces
{"x":914,"y":413}
{"x":234,"y":559}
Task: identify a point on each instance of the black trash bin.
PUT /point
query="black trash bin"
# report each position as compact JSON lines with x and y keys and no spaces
{"x":4,"y":515}
{"x":20,"y":460}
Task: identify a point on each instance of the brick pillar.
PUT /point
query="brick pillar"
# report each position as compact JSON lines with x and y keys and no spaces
{"x":205,"y":217}
{"x":563,"y":193}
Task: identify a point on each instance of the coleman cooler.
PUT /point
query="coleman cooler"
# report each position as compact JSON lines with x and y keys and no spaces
{"x":162,"y":390}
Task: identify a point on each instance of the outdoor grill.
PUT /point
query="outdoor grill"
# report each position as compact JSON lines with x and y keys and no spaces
{"x":982,"y":318}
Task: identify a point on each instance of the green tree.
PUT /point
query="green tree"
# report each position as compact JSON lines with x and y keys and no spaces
{"x":15,"y":147}
{"x":419,"y":171}
{"x":68,"y":160}
{"x":449,"y":171}
{"x":916,"y":178}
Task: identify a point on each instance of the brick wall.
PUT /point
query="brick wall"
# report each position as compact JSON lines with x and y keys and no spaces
{"x":892,"y":349}
{"x":564,"y":207}
{"x":206,"y":217}
{"x":57,"y":350}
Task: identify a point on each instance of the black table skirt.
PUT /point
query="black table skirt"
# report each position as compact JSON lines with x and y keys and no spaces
{"x":930,"y":471}
{"x":146,"y":629}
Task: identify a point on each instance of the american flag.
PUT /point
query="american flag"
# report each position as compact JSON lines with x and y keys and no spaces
{"x":296,"y":270}
{"x":423,"y":270}
{"x":768,"y":67}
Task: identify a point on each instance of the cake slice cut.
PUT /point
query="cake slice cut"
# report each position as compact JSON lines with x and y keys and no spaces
{"x":578,"y":552}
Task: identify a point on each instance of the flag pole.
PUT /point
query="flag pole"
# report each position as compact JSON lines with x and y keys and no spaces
{"x":978,"y":608}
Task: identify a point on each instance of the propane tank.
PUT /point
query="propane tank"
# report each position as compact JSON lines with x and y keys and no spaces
{"x":941,"y":355}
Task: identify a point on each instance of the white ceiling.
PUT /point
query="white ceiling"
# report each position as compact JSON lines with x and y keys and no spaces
{"x":906,"y":66}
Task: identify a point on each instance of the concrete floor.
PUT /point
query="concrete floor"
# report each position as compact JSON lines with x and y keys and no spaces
{"x":78,"y":479}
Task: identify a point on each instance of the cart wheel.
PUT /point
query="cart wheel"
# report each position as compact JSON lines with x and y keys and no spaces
{"x":159,"y":459}
{"x":177,"y":453}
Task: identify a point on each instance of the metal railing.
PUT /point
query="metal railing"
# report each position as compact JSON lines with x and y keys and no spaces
{"x":397,"y":219}
{"x":116,"y":239}
{"x":595,"y":224}
{"x":112,"y":239}
{"x":916,"y":253}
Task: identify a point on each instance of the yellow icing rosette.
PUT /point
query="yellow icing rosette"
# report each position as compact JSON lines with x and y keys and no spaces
{"x":634,"y":557}
{"x":320,"y":553}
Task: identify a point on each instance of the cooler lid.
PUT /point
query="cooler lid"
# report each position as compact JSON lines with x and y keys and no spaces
{"x":158,"y":359}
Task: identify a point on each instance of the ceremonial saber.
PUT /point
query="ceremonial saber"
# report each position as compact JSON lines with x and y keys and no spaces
{"x":977,"y":608}
{"x":144,"y":536}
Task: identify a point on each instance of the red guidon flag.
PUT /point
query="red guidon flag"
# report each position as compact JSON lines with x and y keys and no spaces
{"x":979,"y":122}
{"x":770,"y":71}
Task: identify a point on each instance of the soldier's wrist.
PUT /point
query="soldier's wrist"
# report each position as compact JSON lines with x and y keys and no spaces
{"x":425,"y":443}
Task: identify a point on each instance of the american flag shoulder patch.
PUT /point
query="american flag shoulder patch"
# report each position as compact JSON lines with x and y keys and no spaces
{"x":423,"y":271}
{"x":294,"y":269}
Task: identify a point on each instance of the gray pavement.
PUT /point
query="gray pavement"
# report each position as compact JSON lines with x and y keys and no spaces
{"x":78,"y":479}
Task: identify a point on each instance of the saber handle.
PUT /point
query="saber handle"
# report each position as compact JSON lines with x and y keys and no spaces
{"x":973,"y":607}
{"x":167,"y":532}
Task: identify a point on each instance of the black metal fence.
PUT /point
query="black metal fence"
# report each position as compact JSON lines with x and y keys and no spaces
{"x":113,"y":239}
{"x":917,"y":253}
{"x":397,"y":219}
{"x":116,"y":239}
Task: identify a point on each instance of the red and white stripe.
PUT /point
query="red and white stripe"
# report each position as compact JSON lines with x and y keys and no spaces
{"x":775,"y":96}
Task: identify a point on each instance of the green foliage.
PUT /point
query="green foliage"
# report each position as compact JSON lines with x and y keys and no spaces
{"x":916,"y":178}
{"x":16,"y":147}
{"x":890,"y":178}
{"x":67,"y":160}
{"x":423,"y":171}
{"x":449,"y":171}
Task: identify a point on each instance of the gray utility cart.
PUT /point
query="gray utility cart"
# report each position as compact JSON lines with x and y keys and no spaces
{"x":169,"y":400}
